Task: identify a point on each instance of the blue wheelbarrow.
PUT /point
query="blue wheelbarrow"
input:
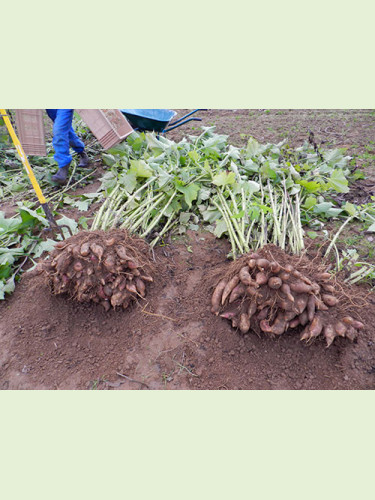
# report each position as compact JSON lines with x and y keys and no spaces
{"x":156,"y":120}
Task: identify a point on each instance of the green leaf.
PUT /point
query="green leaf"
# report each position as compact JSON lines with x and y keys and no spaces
{"x":82,"y":205}
{"x":8,"y":257}
{"x":333,"y":212}
{"x":140,"y":169}
{"x":67,"y":200}
{"x":312,"y":234}
{"x":322,"y":208}
{"x":43,"y":246}
{"x":163,"y":177}
{"x":253,"y":147}
{"x":190,"y":192}
{"x":108,"y":160}
{"x":267,"y":171}
{"x":220,"y":228}
{"x":251,"y":187}
{"x":338,"y":182}
{"x":184,"y":217}
{"x":358,"y":175}
{"x":294,"y":173}
{"x":234,"y":152}
{"x":65,"y":221}
{"x":8,"y":287}
{"x":129,"y":181}
{"x":350,"y":208}
{"x":204,"y":194}
{"x":371,"y":229}
{"x":335,"y":158}
{"x":310,"y":186}
{"x":31,"y":217}
{"x":9,"y":224}
{"x":120,"y":149}
{"x":254,"y":212}
{"x":210,"y":214}
{"x":82,"y":221}
{"x":251,"y":166}
{"x":310,"y":202}
{"x":239,"y":215}
{"x":194,"y":156}
{"x":327,"y":209}
{"x":91,"y":196}
{"x":224,"y":178}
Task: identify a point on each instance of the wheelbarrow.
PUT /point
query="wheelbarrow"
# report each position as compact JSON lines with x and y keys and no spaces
{"x":156,"y":120}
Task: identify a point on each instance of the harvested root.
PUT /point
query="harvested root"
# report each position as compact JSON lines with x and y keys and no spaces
{"x":272,"y":292}
{"x":111,"y":268}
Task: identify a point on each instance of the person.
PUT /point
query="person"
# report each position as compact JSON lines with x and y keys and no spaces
{"x":64,"y":137}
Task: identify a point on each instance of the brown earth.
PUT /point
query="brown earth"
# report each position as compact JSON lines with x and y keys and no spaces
{"x":171,"y":340}
{"x":168,"y":341}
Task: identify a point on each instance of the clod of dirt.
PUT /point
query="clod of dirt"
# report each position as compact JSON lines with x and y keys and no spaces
{"x":111,"y":268}
{"x":272,"y":292}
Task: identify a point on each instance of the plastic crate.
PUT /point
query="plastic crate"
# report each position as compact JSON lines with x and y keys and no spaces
{"x":30,"y":130}
{"x":109,"y":126}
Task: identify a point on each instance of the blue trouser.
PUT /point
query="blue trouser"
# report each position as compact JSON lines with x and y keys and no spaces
{"x":64,"y":136}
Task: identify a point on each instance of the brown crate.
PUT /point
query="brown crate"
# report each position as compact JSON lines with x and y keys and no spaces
{"x":109,"y":126}
{"x":30,"y":130}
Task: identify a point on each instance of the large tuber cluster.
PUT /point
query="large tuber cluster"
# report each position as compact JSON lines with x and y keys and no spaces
{"x":264,"y":292}
{"x":111,"y":268}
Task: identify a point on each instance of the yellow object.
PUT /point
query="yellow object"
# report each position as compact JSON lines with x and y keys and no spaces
{"x":23,"y":156}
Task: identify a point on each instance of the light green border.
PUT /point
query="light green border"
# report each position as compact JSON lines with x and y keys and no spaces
{"x":210,"y":445}
{"x":272,"y":54}
{"x":184,"y":445}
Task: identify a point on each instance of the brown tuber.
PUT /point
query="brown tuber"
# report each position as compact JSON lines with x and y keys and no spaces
{"x":229,"y":287}
{"x":244,"y":275}
{"x":275,"y":283}
{"x":217,"y":295}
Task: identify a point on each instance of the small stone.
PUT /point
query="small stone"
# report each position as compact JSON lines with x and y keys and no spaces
{"x":211,"y":360}
{"x":346,"y":378}
{"x":232,"y":353}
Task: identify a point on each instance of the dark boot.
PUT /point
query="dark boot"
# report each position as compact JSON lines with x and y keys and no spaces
{"x":84,"y":159}
{"x":61,"y":176}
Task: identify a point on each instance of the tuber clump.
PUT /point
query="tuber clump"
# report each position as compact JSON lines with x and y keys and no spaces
{"x":111,"y":268}
{"x":271,"y":292}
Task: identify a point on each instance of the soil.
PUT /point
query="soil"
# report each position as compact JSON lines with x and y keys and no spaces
{"x":171,"y":340}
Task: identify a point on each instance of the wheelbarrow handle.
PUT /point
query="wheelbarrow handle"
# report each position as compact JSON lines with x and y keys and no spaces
{"x":181,"y":123}
{"x":183,"y":118}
